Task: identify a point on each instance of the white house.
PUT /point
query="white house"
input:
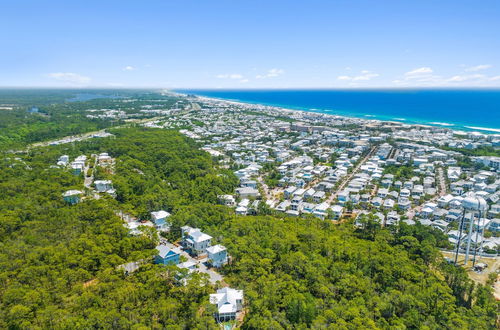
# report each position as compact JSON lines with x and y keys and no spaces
{"x":337,"y":211}
{"x":227,"y":200}
{"x":247,"y":192}
{"x":228,"y":302}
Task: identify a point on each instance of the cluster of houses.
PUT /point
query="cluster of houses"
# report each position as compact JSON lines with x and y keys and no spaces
{"x":228,"y":301}
{"x":77,"y":166}
{"x":317,"y":158}
{"x":195,"y":242}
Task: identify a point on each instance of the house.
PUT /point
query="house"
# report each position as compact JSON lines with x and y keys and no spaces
{"x":453,"y":236}
{"x":377,"y":202}
{"x":241,"y":210}
{"x":228,"y":302}
{"x":190,"y":265}
{"x":318,"y":196}
{"x":365,"y":198}
{"x":167,"y":255}
{"x":320,"y":210}
{"x":104,"y":159}
{"x":103,"y":185}
{"x":283,"y":206}
{"x":418,"y":190}
{"x":289,"y":191}
{"x":72,"y":196}
{"x":308,"y":207}
{"x":454,"y":173}
{"x":337,"y":211}
{"x":159,"y":218}
{"x":404,"y":203}
{"x":408,"y":185}
{"x":246,"y":192}
{"x":343,"y":196}
{"x":494,"y":210}
{"x":427,"y":212}
{"x":404,"y":193}
{"x":195,"y":240}
{"x":249,"y":183}
{"x":308,"y":195}
{"x":392,"y":218}
{"x":443,"y":201}
{"x":217,"y":255}
{"x":382,"y":192}
{"x":388,"y":204}
{"x":494,"y":225}
{"x":440,"y":224}
{"x":63,"y":160}
{"x":77,"y":167}
{"x":227,"y":200}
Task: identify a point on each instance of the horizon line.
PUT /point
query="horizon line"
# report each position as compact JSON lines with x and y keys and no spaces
{"x":253,"y":88}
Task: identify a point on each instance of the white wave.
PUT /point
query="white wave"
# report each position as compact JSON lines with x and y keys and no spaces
{"x":441,"y":124}
{"x":484,"y":128}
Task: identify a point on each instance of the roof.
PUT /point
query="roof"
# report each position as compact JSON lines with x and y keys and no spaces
{"x":195,"y":234}
{"x":225,"y":299}
{"x":216,"y":249}
{"x":164,"y":250}
{"x":72,"y":193}
{"x":102,"y":182}
{"x":160,"y":215}
{"x":337,"y":208}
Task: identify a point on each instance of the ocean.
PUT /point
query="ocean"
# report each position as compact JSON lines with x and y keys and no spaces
{"x":471,"y":109}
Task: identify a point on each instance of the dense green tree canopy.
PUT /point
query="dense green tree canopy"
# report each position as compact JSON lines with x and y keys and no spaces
{"x":58,"y":263}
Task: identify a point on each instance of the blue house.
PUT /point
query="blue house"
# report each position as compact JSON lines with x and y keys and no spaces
{"x":217,"y":255}
{"x":72,"y":196}
{"x":167,"y":255}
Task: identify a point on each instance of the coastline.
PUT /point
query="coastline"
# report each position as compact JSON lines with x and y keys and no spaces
{"x":455,"y":127}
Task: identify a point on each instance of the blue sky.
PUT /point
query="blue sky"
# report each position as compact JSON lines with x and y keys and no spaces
{"x":250,"y":44}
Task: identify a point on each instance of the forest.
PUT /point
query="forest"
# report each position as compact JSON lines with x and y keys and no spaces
{"x":61,"y":113}
{"x":59,"y":263}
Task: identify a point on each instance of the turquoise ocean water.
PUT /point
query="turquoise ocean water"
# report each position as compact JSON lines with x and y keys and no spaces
{"x":471,"y":109}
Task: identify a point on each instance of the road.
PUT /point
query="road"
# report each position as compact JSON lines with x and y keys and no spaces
{"x":441,"y":184}
{"x":89,"y":179}
{"x":85,"y":136}
{"x":348,"y":177}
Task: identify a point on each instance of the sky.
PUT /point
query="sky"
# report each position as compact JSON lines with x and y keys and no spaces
{"x":250,"y":44}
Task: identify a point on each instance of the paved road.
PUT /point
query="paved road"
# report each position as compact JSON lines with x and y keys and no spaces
{"x":442,"y":191}
{"x":441,"y":181}
{"x":348,"y":177}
